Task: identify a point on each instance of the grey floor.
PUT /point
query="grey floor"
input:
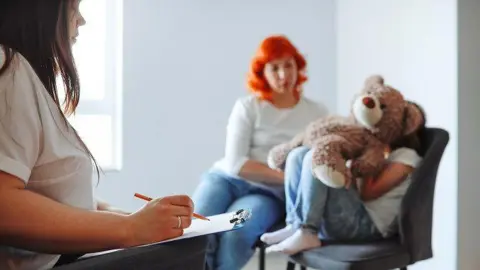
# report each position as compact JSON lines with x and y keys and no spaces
{"x":273,"y":262}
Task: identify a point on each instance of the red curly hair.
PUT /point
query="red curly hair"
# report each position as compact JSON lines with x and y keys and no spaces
{"x":272,"y":48}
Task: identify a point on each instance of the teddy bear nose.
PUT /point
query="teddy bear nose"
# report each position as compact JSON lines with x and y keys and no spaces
{"x":368,"y":102}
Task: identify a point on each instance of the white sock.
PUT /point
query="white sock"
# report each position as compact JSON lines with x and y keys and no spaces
{"x":301,"y":240}
{"x":278,"y":236}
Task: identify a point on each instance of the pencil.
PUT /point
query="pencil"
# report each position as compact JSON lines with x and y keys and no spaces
{"x":146,"y":198}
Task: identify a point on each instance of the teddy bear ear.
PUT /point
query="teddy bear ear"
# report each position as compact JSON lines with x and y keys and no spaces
{"x":414,"y":119}
{"x":374,"y":80}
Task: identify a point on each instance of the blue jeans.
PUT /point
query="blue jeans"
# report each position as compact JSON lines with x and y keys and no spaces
{"x":220,"y":193}
{"x":336,"y":214}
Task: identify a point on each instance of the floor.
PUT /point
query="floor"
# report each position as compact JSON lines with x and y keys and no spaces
{"x":273,"y":262}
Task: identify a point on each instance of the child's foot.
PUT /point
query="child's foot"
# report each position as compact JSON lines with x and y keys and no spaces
{"x":277,"y":236}
{"x":301,"y":240}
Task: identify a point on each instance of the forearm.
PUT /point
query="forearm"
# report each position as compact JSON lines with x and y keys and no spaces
{"x":260,"y":172}
{"x":104,"y":206}
{"x":369,"y":189}
{"x":33,"y":222}
{"x":392,"y":176}
{"x":369,"y":194}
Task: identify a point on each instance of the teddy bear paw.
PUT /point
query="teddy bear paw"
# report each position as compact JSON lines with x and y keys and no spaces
{"x":329,"y":176}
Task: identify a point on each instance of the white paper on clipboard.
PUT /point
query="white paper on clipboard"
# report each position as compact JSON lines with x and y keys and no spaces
{"x":217,"y":223}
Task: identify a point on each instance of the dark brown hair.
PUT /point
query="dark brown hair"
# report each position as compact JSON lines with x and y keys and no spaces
{"x":412,"y":141}
{"x":38,"y":30}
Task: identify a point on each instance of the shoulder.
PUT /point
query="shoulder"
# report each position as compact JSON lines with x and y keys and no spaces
{"x":3,"y":59}
{"x":20,"y":87}
{"x":315,"y":106}
{"x":17,"y":58}
{"x":19,"y":68}
{"x":245,"y":109}
{"x":405,"y":156}
{"x":250,"y":104}
{"x":249,"y":101}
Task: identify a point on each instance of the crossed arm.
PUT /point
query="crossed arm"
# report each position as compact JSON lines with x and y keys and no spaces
{"x":391,"y":176}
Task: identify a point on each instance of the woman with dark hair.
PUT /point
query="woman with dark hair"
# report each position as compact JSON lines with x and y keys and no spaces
{"x":275,"y":112}
{"x":47,"y":205}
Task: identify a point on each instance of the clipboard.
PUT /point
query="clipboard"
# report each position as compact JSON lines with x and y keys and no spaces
{"x":218,"y":223}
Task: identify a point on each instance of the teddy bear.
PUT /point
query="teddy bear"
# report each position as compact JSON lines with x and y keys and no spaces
{"x":379,"y":116}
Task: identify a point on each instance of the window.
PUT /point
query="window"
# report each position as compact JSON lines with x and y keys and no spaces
{"x":98,"y":55}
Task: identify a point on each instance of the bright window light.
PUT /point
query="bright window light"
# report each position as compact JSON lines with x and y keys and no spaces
{"x":98,"y":56}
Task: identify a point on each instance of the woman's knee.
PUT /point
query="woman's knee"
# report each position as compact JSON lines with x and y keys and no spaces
{"x":296,"y":156}
{"x":213,"y":181}
{"x":209,"y":180}
{"x":213,"y":176}
{"x":214,"y":194}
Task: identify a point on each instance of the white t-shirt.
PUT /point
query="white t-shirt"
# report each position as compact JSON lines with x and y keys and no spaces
{"x":255,"y":126}
{"x":37,"y":147}
{"x":384,"y":210}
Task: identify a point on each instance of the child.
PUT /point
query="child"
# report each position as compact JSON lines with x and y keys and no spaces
{"x":364,"y":213}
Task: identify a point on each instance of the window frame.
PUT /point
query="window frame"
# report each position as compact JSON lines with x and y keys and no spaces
{"x":111,"y":103}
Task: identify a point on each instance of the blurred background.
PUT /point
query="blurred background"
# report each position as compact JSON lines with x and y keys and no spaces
{"x":160,"y":78}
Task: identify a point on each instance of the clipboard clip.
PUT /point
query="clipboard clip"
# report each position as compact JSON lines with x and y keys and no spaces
{"x":241,"y":216}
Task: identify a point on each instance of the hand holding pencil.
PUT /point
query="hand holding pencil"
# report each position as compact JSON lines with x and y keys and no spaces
{"x":159,"y":219}
{"x":146,"y":198}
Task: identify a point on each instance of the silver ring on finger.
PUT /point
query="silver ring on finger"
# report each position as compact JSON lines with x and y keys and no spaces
{"x":179,"y":224}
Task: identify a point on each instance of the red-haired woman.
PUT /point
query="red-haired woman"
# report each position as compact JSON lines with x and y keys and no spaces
{"x":274,"y":112}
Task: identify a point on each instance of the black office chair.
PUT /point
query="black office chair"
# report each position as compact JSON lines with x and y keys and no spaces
{"x":413,"y":242}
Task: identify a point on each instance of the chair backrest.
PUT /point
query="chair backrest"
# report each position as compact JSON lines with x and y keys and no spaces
{"x":416,"y":213}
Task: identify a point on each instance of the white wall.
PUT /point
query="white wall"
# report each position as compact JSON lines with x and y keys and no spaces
{"x":413,"y":44}
{"x":469,"y":134}
{"x":185,"y":64}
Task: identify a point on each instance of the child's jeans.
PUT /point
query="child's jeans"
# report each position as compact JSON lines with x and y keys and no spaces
{"x":337,"y":214}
